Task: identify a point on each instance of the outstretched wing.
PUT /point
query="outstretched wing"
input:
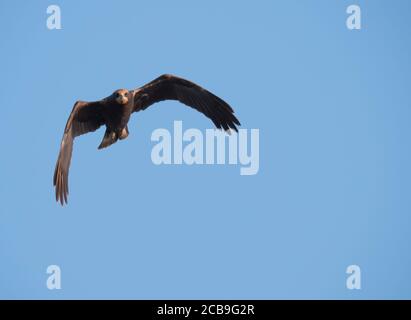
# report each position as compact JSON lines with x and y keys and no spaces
{"x":169,"y":87}
{"x":85,"y":117}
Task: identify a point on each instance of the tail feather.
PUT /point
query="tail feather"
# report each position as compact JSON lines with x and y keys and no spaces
{"x":109,"y":138}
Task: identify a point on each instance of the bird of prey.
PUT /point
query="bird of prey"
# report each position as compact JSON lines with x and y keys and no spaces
{"x":114,"y":113}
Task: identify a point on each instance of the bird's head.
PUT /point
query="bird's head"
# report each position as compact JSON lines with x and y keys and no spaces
{"x":121,"y":96}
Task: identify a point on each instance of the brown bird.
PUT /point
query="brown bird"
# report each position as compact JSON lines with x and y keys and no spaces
{"x":114,"y":112}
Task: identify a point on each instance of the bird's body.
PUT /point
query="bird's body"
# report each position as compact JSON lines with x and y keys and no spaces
{"x":116,"y":116}
{"x":115,"y":111}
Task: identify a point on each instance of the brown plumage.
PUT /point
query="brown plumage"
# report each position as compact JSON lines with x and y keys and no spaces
{"x":114,"y":112}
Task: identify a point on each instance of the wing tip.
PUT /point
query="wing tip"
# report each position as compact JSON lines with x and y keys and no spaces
{"x":60,"y":183}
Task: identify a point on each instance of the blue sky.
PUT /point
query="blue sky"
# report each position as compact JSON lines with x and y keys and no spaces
{"x":333,"y":110}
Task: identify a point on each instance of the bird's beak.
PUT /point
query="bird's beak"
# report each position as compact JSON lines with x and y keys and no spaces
{"x":122,"y":100}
